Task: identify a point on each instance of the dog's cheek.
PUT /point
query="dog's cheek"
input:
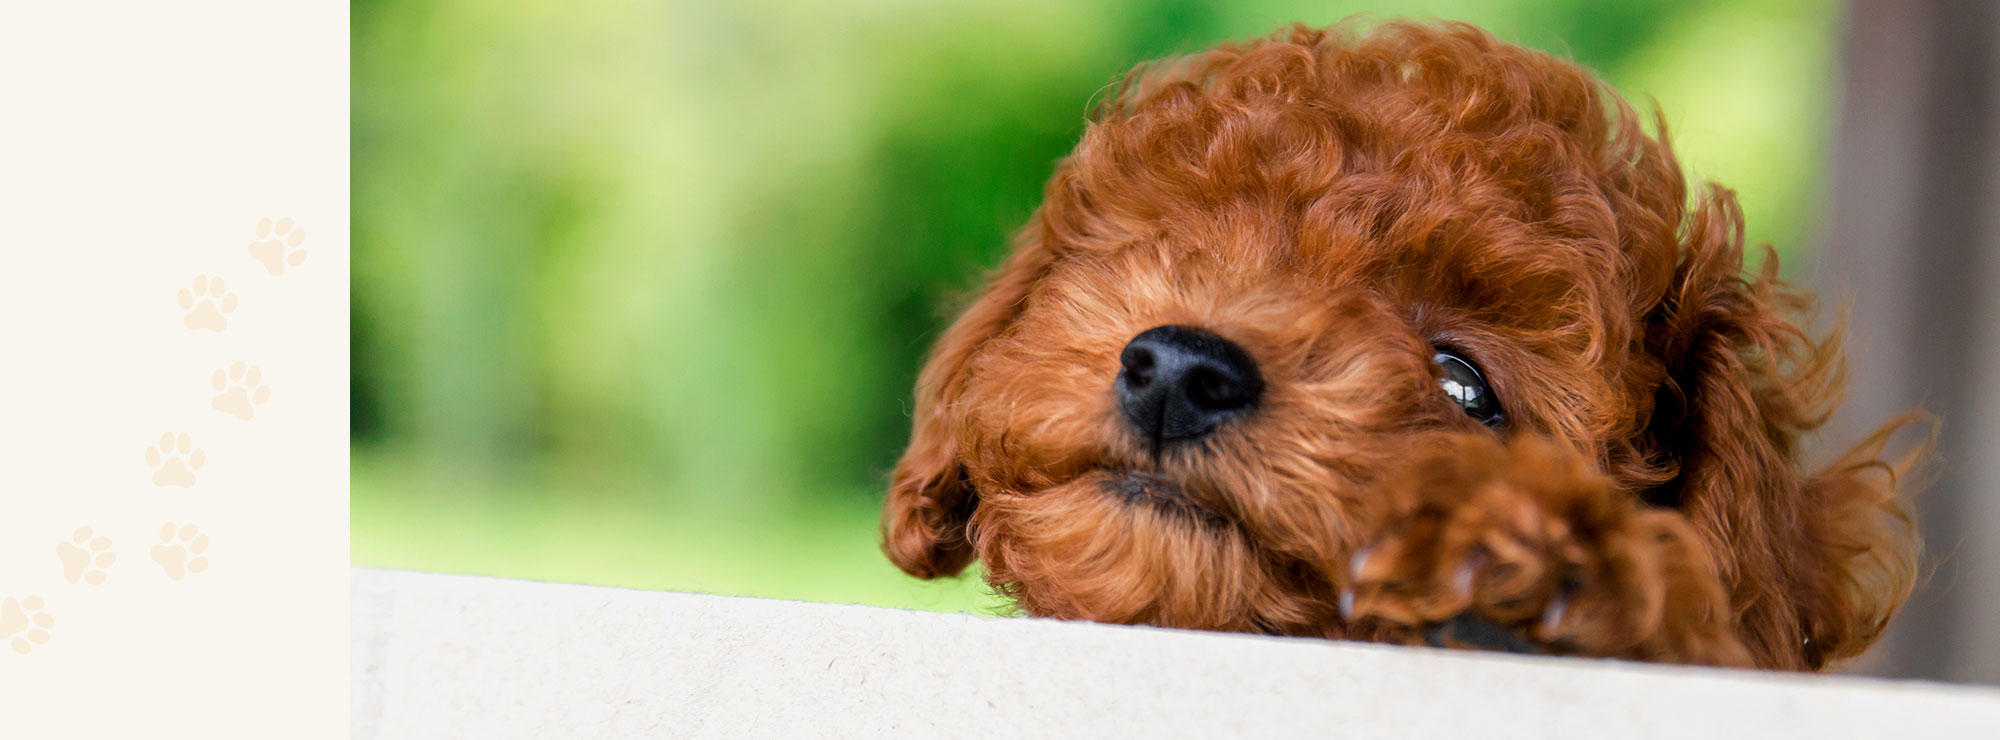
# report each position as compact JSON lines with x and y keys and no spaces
{"x":1075,"y":551}
{"x":1028,"y":426}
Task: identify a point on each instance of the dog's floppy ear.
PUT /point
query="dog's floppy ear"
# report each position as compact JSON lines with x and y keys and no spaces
{"x":1829,"y":556}
{"x":930,"y":503}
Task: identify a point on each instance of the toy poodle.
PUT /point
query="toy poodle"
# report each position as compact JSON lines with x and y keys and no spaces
{"x":1408,"y":335}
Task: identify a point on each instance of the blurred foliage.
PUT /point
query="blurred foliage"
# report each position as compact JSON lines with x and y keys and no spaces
{"x":641,"y":288}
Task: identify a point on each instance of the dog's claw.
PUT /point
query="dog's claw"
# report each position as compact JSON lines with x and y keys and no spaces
{"x":1355,"y":564}
{"x":1552,"y":617}
{"x":1461,"y":580}
{"x":1358,"y":561}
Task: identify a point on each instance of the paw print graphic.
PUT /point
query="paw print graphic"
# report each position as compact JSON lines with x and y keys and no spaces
{"x":23,"y":623}
{"x":174,"y":460}
{"x":205,"y":303}
{"x":180,"y":550}
{"x":84,"y":557}
{"x":277,"y":245}
{"x":242,"y":390}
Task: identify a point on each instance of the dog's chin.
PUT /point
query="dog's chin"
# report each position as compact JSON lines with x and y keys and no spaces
{"x":1121,"y":547}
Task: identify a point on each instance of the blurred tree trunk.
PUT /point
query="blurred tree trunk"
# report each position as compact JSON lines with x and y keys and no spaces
{"x":1911,"y":241}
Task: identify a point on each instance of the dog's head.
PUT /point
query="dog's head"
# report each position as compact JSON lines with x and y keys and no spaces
{"x":1270,"y":272}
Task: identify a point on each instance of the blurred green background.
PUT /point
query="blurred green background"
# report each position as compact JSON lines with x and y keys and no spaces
{"x":641,"y":288}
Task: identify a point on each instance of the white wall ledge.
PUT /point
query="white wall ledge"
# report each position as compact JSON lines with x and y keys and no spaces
{"x":439,"y":656}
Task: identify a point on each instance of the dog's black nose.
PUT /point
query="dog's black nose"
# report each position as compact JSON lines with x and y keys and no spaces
{"x":1179,"y":383}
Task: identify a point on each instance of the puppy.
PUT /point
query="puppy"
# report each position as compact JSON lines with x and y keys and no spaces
{"x":1407,"y":335}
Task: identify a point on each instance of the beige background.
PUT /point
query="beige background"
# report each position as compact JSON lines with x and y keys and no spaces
{"x":141,"y":144}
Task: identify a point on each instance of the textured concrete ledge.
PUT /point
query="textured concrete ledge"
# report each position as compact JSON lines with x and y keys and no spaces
{"x":453,"y":656}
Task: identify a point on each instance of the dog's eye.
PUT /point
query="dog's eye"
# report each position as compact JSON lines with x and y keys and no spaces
{"x":1464,"y":385}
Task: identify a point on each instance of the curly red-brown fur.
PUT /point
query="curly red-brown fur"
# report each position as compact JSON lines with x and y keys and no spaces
{"x":1338,"y":203}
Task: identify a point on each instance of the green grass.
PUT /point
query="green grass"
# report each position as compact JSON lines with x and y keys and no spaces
{"x":622,"y":534}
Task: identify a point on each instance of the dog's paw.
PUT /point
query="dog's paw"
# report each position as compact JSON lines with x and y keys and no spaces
{"x":1524,"y":547}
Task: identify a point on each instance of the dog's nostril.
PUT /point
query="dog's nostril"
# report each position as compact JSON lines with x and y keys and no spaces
{"x":1178,"y":382}
{"x":1139,"y":366}
{"x":1215,"y":389}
